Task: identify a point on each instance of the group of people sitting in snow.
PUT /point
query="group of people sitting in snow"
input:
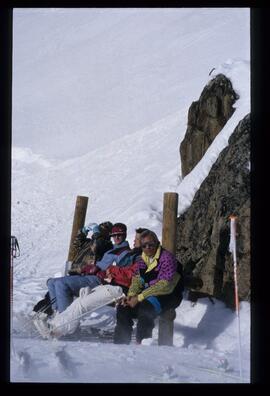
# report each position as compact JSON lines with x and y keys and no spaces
{"x":143,"y":282}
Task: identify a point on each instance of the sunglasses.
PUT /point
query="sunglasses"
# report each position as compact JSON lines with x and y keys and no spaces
{"x":117,"y":235}
{"x":148,"y":245}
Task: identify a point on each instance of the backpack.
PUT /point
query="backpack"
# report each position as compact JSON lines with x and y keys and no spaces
{"x":180,"y":271}
{"x":189,"y":281}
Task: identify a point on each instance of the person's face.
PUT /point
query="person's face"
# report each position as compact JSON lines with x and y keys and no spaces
{"x":118,"y":238}
{"x":149,"y":246}
{"x":137,"y":241}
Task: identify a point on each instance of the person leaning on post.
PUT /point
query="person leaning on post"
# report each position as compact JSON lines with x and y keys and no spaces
{"x":157,"y":287}
{"x":115,"y":281}
{"x":87,"y":250}
{"x":63,"y":290}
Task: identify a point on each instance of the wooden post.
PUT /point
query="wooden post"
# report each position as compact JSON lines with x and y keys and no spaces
{"x":78,"y":222}
{"x":170,"y":206}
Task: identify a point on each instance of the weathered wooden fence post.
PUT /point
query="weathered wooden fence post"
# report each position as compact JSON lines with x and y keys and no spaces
{"x":170,"y":206}
{"x":78,"y":222}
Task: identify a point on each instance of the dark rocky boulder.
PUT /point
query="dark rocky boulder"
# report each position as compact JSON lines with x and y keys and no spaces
{"x":206,"y":118}
{"x":203,"y":231}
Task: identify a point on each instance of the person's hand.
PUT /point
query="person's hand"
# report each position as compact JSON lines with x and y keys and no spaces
{"x":90,"y":269}
{"x":123,"y":301}
{"x":132,"y":301}
{"x":109,"y":276}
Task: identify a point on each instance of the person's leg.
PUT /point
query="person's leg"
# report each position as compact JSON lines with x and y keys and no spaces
{"x":62,"y":323}
{"x":146,"y":320}
{"x":68,"y":321}
{"x":69,"y":286}
{"x":172,"y":300}
{"x":99,"y":296}
{"x":51,"y":289}
{"x":124,"y":323}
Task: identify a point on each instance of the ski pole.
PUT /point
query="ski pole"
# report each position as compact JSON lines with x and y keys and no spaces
{"x":14,"y":252}
{"x":232,"y":248}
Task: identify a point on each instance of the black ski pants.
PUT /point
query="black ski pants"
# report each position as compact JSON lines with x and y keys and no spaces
{"x":145,"y":313}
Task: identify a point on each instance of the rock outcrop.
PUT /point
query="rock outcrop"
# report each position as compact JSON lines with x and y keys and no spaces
{"x":206,"y":118}
{"x":203,"y":231}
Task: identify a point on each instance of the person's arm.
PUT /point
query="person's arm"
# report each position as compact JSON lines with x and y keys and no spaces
{"x":79,"y":240}
{"x":159,"y":288}
{"x":106,"y":261}
{"x":110,"y":256}
{"x":136,"y":286}
{"x":90,"y":269}
{"x":167,"y":278}
{"x":122,"y":275}
{"x":124,"y":258}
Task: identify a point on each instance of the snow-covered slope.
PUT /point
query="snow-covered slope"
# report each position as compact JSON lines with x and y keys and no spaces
{"x":205,"y":337}
{"x":124,"y":180}
{"x":99,"y":109}
{"x":82,"y":77}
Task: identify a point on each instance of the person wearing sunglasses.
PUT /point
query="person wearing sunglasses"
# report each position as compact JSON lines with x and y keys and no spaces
{"x":157,"y":287}
{"x":62,"y":290}
{"x":115,"y":281}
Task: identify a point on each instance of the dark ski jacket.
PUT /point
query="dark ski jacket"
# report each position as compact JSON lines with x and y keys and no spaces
{"x":88,"y":251}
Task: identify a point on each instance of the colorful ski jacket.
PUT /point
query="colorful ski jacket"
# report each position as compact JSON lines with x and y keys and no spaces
{"x":122,"y":275}
{"x":116,"y":255}
{"x":88,"y":250}
{"x":158,"y":280}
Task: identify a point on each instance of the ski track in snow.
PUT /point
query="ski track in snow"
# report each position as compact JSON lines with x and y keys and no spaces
{"x":69,"y":359}
{"x":69,"y":362}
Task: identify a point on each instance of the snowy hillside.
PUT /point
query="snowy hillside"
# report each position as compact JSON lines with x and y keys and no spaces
{"x":204,"y":352}
{"x":100,"y":107}
{"x":81,"y":75}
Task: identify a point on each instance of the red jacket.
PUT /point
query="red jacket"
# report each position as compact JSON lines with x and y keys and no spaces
{"x":120,"y":275}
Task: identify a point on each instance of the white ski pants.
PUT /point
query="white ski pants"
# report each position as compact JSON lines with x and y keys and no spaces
{"x":89,"y":300}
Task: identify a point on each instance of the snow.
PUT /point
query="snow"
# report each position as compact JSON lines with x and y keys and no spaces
{"x":100,"y":102}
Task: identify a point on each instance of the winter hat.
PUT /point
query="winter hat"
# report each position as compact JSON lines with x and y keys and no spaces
{"x":92,"y":227}
{"x":95,"y":229}
{"x":106,"y":226}
{"x":119,"y":228}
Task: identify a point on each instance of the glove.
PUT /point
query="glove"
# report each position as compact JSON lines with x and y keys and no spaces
{"x":90,"y":269}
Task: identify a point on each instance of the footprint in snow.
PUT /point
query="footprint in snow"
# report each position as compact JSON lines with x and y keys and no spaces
{"x":66,"y":362}
{"x":169,"y":373}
